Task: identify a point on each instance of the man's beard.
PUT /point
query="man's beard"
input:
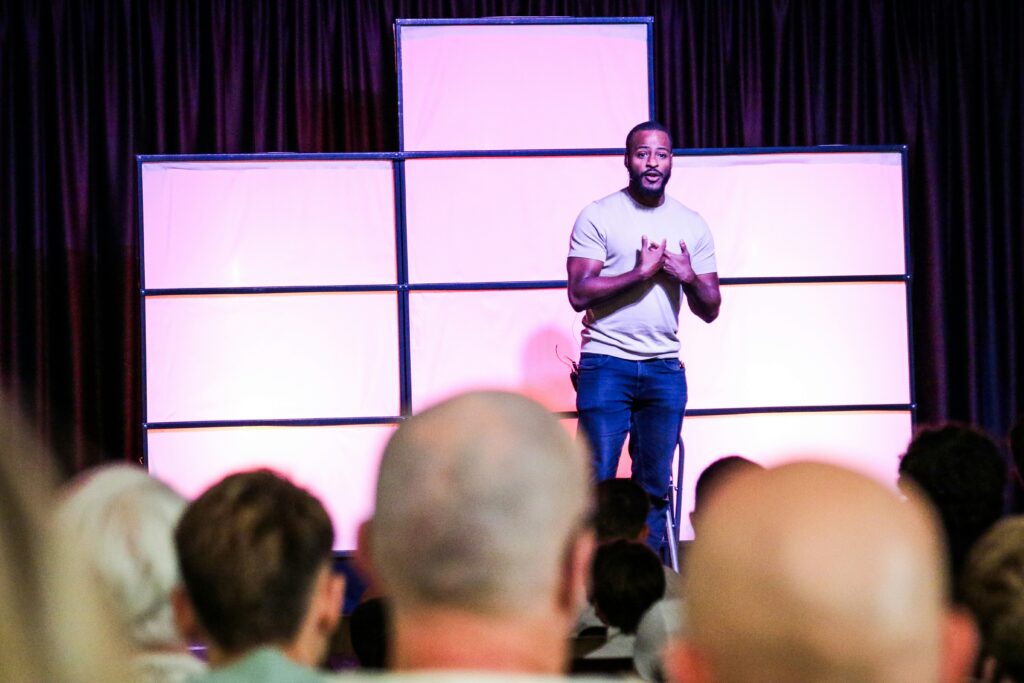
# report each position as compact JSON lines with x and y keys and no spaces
{"x":636,"y":184}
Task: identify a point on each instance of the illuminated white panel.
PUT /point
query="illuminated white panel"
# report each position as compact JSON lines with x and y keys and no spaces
{"x":485,"y":220}
{"x":798,"y":214}
{"x":337,"y":464}
{"x":868,"y":442}
{"x":268,"y":223}
{"x":800,"y":345}
{"x":495,"y":340}
{"x":522,"y":86}
{"x":271,"y":356}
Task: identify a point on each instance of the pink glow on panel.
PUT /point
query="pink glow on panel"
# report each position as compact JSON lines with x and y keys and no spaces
{"x":522,"y":87}
{"x":337,"y":464}
{"x":267,"y":223}
{"x":798,"y":214}
{"x":493,"y":339}
{"x":271,"y":356}
{"x":485,"y":220}
{"x":868,"y":442}
{"x":803,"y":345}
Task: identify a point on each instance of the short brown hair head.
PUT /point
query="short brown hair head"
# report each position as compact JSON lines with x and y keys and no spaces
{"x":627,"y":579}
{"x":250,"y":550}
{"x":622,"y":508}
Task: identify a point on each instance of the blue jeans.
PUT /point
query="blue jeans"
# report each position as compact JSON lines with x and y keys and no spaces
{"x":646,"y":400}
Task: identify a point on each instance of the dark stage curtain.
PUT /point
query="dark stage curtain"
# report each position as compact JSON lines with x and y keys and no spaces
{"x":86,"y":85}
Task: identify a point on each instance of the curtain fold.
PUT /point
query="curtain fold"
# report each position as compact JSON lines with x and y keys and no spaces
{"x":87,"y":85}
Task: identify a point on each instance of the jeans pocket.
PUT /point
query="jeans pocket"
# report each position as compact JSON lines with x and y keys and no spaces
{"x":672,"y":364}
{"x":593,"y":361}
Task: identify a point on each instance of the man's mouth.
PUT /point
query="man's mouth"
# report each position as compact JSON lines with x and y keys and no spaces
{"x":653,"y":175}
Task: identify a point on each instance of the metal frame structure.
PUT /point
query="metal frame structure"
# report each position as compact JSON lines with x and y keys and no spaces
{"x":402,"y":287}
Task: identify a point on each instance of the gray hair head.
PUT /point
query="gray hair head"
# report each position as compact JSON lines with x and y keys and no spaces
{"x":125,"y":520}
{"x":478,"y":502}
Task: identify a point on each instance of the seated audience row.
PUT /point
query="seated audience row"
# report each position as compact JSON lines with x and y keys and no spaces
{"x":483,"y":543}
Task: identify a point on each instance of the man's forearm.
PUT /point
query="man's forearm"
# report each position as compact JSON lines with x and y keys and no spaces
{"x":594,"y":289}
{"x":703,"y":298}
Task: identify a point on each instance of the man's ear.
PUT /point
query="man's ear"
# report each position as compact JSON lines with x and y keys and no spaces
{"x":576,"y":573}
{"x":683,"y":663}
{"x":185,"y":618}
{"x":329,"y":601}
{"x":959,"y":646}
{"x":363,"y":558}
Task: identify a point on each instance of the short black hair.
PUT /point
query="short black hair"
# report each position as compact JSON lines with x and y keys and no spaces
{"x":368,"y":627}
{"x":961,"y":471}
{"x":250,"y":549}
{"x":622,"y":508}
{"x":645,"y":126}
{"x":627,"y":578}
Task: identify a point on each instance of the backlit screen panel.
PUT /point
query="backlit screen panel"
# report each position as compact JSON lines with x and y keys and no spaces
{"x":271,"y":356}
{"x":492,"y":339}
{"x":548,"y":86}
{"x":337,"y":464}
{"x":784,"y":215}
{"x":772,"y":215}
{"x":869,"y":442}
{"x":268,"y":223}
{"x":492,"y":219}
{"x":800,"y":345}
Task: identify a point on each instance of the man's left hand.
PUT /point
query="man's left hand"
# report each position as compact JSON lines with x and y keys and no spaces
{"x":678,"y":265}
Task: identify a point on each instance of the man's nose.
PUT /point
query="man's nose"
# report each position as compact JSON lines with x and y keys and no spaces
{"x":652,"y":161}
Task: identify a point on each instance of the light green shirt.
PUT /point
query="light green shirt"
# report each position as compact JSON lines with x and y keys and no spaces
{"x":265,"y":665}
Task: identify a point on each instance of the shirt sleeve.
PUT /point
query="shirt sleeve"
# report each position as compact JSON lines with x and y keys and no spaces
{"x":702,"y":255}
{"x":587,"y":239}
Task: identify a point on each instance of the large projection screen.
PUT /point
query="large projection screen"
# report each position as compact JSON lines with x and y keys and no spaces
{"x":514,"y":85}
{"x":254,"y":359}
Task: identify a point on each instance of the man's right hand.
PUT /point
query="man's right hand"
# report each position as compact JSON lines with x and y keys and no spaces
{"x":650,"y":258}
{"x":587,"y":287}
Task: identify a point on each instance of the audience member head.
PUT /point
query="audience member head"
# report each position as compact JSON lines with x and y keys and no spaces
{"x":993,"y":588}
{"x":809,"y":572}
{"x":126,"y":521}
{"x":626,"y":579}
{"x":621,"y":512}
{"x":480,"y":536}
{"x":368,"y":626}
{"x":960,"y":470}
{"x":53,"y":623}
{"x":713,"y":476}
{"x":255,"y":554}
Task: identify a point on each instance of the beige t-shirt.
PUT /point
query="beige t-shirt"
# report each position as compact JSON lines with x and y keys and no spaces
{"x":642,"y":322}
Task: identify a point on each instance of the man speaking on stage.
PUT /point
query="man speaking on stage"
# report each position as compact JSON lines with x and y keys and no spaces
{"x":633,"y":255}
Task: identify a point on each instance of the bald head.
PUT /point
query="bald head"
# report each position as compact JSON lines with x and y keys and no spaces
{"x":809,"y":572}
{"x":478,"y":500}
